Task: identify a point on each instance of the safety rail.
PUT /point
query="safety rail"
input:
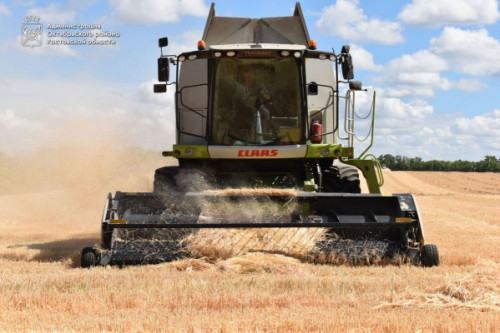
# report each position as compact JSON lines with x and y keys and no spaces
{"x":350,"y":115}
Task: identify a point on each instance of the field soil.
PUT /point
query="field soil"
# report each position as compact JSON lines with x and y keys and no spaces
{"x":51,"y":205}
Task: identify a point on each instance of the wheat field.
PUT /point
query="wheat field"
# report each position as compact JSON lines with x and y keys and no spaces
{"x":50,"y":207}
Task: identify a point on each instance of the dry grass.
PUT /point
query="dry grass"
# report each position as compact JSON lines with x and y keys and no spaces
{"x":43,"y":229}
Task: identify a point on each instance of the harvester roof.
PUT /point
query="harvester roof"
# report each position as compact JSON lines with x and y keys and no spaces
{"x":240,"y":30}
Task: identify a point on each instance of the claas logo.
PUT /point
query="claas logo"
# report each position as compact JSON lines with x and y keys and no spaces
{"x":257,"y":152}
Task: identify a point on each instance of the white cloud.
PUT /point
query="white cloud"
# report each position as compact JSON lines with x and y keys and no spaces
{"x":400,"y":127}
{"x":418,"y":75}
{"x":413,"y":129}
{"x":395,"y":108}
{"x":482,"y":125}
{"x":472,"y":52}
{"x":407,"y":128}
{"x":415,"y":75}
{"x":468,"y":85}
{"x":155,"y":11}
{"x":479,"y":132}
{"x":421,"y":61}
{"x":54,"y":13}
{"x":4,"y":10}
{"x":363,"y":59}
{"x":39,"y":116}
{"x":188,"y":41}
{"x":347,"y":20}
{"x":440,"y":12}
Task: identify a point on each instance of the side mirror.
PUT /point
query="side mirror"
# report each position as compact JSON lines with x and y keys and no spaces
{"x":312,"y":88}
{"x":163,"y":69}
{"x":162,"y":42}
{"x":160,"y":88}
{"x":355,"y":85}
{"x":346,"y":62}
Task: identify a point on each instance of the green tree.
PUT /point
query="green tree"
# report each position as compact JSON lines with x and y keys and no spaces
{"x":489,"y":164}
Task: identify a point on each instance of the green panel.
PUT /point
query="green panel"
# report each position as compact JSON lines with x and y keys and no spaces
{"x":190,"y":151}
{"x":328,"y":151}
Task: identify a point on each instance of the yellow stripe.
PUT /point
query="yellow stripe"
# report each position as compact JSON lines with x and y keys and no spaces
{"x":122,"y":221}
{"x":403,"y":219}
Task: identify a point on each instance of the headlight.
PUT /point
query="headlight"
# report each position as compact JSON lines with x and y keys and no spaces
{"x":181,"y":58}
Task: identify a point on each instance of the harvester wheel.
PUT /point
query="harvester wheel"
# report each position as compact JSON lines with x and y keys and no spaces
{"x":430,"y":255}
{"x":341,"y":178}
{"x":89,"y":257}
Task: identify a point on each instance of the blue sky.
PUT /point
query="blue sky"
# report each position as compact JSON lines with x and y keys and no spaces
{"x":435,"y":65}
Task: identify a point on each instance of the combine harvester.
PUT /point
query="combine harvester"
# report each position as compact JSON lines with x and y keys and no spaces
{"x":266,"y":162}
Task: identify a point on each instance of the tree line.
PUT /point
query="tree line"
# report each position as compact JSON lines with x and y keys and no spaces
{"x":398,"y":162}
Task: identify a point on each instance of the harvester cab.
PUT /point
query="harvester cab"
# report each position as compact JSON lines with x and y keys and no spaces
{"x":265,"y":159}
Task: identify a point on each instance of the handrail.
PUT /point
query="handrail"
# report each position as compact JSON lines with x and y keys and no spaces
{"x":349,"y":119}
{"x":372,"y":127}
{"x":378,"y":168}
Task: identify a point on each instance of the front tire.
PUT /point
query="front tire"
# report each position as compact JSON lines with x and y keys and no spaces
{"x":341,"y":178}
{"x":89,"y":257}
{"x":430,"y":255}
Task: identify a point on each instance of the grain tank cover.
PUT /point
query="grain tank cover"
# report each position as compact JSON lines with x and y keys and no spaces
{"x":240,"y":30}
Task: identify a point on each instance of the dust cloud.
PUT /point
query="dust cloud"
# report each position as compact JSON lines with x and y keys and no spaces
{"x":69,"y":177}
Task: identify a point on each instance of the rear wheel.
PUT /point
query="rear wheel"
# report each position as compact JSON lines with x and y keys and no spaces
{"x":341,"y":178}
{"x":89,"y":257}
{"x":430,"y":255}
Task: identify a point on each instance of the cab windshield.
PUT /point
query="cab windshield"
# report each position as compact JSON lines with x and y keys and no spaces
{"x":257,"y":102}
